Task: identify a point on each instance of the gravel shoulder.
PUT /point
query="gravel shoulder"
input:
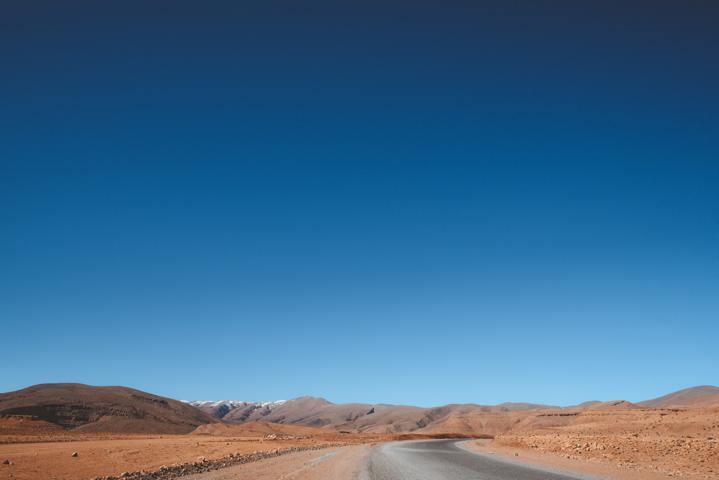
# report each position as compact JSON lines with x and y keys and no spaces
{"x":340,"y":463}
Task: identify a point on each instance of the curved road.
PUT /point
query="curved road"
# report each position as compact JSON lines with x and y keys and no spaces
{"x":445,"y":460}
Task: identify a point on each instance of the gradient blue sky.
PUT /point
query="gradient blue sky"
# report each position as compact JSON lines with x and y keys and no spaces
{"x":386,"y":202}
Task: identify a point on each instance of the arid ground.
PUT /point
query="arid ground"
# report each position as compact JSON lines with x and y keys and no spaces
{"x":56,"y":432}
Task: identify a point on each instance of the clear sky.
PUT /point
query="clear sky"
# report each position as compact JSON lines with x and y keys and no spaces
{"x":421,"y":202}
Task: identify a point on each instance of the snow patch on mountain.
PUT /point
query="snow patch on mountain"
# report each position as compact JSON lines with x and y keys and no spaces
{"x":232,"y":403}
{"x":243,"y":409}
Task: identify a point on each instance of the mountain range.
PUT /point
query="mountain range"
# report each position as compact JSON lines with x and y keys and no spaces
{"x":122,"y":409}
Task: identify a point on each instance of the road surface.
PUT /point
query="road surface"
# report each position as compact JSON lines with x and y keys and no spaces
{"x":408,"y":460}
{"x":446,"y":460}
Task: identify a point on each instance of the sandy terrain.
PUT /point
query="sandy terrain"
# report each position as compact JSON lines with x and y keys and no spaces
{"x":560,"y":463}
{"x":625,"y":440}
{"x":113,"y":456}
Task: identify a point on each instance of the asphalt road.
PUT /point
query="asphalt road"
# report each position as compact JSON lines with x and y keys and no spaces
{"x":445,"y":460}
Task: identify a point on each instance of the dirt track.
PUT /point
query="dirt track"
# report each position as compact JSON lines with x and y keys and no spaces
{"x":346,"y":463}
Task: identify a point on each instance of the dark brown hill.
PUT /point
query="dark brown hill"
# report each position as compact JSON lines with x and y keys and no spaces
{"x":103,"y":409}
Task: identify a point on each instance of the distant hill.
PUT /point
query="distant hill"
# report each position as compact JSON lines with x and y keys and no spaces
{"x":124,"y":410}
{"x":520,"y":406}
{"x":102,"y":409}
{"x":612,"y":405}
{"x":257,"y":429}
{"x":218,"y":408}
{"x":371,"y":418}
{"x":702,"y":396}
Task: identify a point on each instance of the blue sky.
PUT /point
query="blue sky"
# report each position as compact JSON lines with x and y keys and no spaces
{"x":415,"y":203}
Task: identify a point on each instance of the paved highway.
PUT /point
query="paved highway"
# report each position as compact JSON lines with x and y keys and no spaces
{"x":445,"y":460}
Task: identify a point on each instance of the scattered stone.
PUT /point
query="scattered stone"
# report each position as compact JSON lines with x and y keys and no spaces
{"x":204,"y":465}
{"x":75,"y":454}
{"x":7,"y":461}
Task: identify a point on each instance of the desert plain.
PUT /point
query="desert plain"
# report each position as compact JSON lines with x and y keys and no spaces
{"x":72,"y":431}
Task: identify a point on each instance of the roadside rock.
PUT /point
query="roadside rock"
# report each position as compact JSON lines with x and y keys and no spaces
{"x":203,"y":465}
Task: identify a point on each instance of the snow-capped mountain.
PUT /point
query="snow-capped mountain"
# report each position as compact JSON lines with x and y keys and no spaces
{"x":241,"y":410}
